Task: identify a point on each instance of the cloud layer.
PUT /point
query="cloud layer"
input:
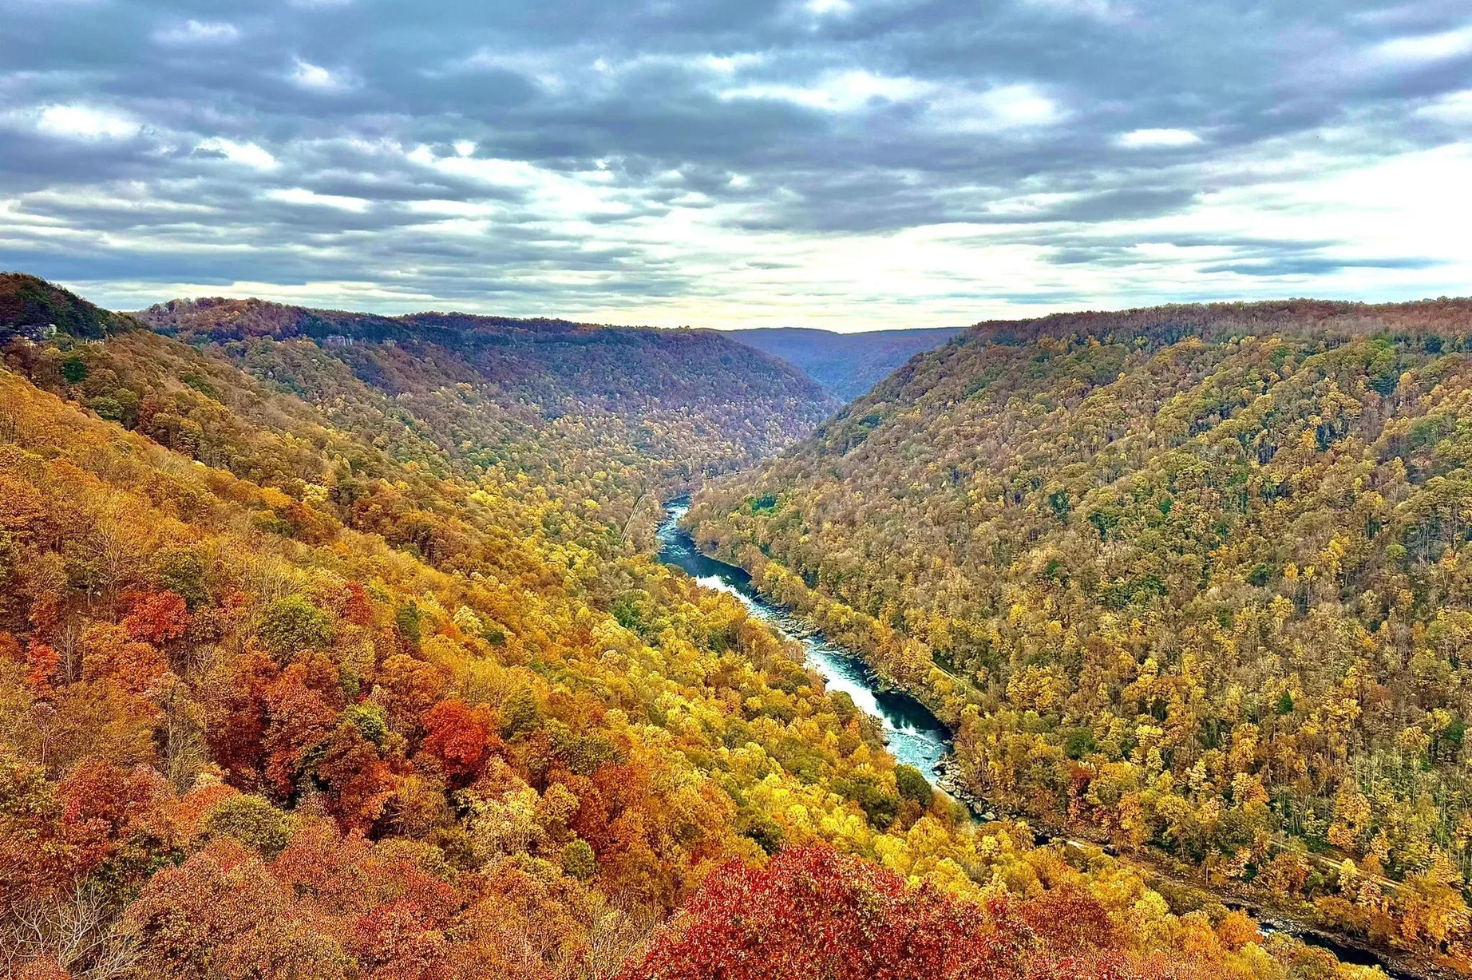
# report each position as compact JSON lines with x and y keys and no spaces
{"x":838,"y":163}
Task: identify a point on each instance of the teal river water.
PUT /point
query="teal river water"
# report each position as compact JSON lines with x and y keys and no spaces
{"x":915,"y":736}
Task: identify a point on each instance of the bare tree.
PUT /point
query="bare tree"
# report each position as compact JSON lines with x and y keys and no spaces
{"x":79,"y":933}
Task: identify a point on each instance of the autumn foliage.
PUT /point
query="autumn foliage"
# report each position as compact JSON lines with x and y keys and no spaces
{"x":302,"y":678}
{"x":812,"y":912}
{"x":1192,"y":579}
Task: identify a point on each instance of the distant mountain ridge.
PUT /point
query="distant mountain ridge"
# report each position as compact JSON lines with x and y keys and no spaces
{"x":648,"y":390}
{"x":538,"y":357}
{"x":561,"y":404}
{"x":846,"y":364}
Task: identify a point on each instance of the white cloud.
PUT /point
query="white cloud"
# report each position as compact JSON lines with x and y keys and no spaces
{"x":546,"y":70}
{"x":730,"y":64}
{"x":844,"y":91}
{"x":1014,"y":106}
{"x":319,"y":79}
{"x":197,"y":33}
{"x":247,"y":154}
{"x":1105,"y":11}
{"x":1416,"y":49}
{"x":86,"y":123}
{"x":554,"y":196}
{"x":306,"y":198}
{"x":822,"y":8}
{"x":1454,"y":108}
{"x":1139,"y":139}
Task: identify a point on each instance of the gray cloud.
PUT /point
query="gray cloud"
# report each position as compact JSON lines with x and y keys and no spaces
{"x":732,"y":161}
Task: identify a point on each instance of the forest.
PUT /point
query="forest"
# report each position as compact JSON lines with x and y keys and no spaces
{"x":339,"y":649}
{"x":1187,"y":580}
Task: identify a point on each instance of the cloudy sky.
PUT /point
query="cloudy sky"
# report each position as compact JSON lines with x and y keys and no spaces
{"x":836,"y":163}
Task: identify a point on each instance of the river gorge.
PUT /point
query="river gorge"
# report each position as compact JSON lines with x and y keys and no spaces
{"x":914,"y":735}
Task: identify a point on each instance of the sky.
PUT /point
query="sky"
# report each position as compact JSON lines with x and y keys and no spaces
{"x":845,"y":164}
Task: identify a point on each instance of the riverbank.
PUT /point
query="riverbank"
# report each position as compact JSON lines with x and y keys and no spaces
{"x":918,"y":737}
{"x":1155,"y":871}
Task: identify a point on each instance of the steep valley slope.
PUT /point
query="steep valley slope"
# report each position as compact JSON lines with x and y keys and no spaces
{"x":328,"y":649}
{"x":1191,"y":577}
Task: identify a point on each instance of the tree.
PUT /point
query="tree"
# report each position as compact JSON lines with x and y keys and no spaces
{"x":457,"y":735}
{"x":221,"y":914}
{"x":913,"y":785}
{"x":579,"y":860}
{"x":251,"y":820}
{"x":157,"y":617}
{"x":294,"y":624}
{"x":398,"y":942}
{"x":814,"y":913}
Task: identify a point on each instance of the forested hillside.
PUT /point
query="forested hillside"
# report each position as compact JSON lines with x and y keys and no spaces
{"x":288,"y":691}
{"x":548,"y":401}
{"x":1190,"y":577}
{"x":846,"y":364}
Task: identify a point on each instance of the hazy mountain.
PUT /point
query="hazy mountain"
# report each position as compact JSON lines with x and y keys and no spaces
{"x":847,"y":364}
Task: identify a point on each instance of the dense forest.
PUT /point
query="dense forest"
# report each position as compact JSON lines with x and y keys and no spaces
{"x":847,"y":364}
{"x":1187,"y":578}
{"x":294,"y":682}
{"x":551,"y":401}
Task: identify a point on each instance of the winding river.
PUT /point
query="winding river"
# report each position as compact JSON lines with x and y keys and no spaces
{"x":915,"y":736}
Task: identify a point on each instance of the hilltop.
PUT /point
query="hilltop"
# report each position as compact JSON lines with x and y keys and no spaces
{"x":35,"y":308}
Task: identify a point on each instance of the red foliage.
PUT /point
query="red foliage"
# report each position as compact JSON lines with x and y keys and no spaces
{"x":300,"y":720}
{"x":398,"y":942}
{"x":348,"y":876}
{"x":108,"y":652}
{"x":813,"y":913}
{"x":102,"y":805}
{"x":356,"y":608}
{"x":1070,"y":922}
{"x":238,"y":719}
{"x":358,"y":780}
{"x":157,"y":617}
{"x":221,"y":914}
{"x":458,"y":736}
{"x":41,"y":663}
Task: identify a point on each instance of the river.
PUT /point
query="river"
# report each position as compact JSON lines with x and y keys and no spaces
{"x":915,"y":736}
